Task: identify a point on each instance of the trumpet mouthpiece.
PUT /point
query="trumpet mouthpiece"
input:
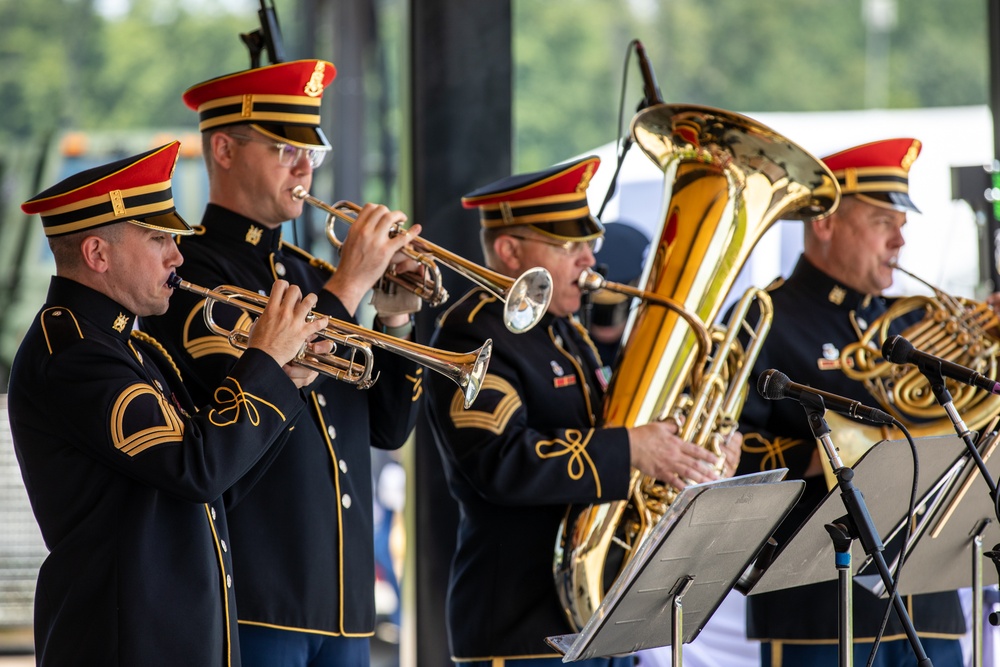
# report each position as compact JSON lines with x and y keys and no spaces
{"x":174,"y":281}
{"x":299,"y":192}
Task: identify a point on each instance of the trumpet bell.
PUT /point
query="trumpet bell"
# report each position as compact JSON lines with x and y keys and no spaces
{"x":527,"y":299}
{"x":471,"y":381}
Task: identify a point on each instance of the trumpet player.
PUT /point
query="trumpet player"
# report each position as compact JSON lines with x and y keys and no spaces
{"x":532,"y":442}
{"x":302,"y":532}
{"x":834,"y":294}
{"x":124,"y":473}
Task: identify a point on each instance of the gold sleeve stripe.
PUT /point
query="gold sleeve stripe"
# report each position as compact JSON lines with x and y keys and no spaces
{"x":495,"y":421}
{"x":134,"y":443}
{"x":56,"y":312}
{"x":206,"y":345}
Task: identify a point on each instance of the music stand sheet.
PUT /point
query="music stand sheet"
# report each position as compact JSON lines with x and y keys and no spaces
{"x":711,"y":532}
{"x":884,"y":476}
{"x":940,"y":557}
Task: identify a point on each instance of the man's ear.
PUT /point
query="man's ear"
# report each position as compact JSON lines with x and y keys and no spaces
{"x":94,"y":251}
{"x":222,"y":150}
{"x":822,"y":229}
{"x":508,"y":252}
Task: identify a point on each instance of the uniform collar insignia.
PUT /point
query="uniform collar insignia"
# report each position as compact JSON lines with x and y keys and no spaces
{"x":120,"y":322}
{"x":253,"y":234}
{"x":837,"y":295}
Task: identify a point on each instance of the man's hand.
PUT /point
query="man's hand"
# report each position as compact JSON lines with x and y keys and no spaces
{"x":658,"y":452}
{"x":732,"y":448}
{"x":373,"y":241}
{"x":284,"y":327}
{"x":302,"y":376}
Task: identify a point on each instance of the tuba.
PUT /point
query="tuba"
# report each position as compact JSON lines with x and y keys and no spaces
{"x":956,"y":329}
{"x":727,"y":179}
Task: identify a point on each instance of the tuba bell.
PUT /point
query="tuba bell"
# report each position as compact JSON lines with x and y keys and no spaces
{"x":727,"y":179}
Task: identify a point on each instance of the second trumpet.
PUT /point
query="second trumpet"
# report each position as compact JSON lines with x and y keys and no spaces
{"x":467,"y":370}
{"x":526,"y":298}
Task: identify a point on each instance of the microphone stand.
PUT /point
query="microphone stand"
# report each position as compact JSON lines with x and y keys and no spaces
{"x":936,"y":380}
{"x":856,"y":525}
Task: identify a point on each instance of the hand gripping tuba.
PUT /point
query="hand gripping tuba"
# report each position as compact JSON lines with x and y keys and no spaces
{"x":727,"y":179}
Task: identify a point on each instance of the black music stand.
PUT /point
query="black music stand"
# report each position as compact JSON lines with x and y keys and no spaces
{"x":952,"y":532}
{"x":882,"y":475}
{"x":692,"y":559}
{"x":964,"y":512}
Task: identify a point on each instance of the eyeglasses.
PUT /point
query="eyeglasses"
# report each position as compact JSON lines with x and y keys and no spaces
{"x":568,"y":247}
{"x":288,"y":155}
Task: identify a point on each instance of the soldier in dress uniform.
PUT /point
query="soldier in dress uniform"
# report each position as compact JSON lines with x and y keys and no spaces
{"x":532,"y":442}
{"x":123,"y":471}
{"x":303,"y":532}
{"x":832,"y":295}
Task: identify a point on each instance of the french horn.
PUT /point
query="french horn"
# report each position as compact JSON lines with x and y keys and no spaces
{"x":960,"y":330}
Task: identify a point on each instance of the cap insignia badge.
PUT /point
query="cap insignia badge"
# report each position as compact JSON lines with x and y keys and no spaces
{"x":314,"y":88}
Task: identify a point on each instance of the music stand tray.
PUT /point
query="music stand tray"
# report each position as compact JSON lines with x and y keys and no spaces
{"x":707,"y":538}
{"x":940,"y":556}
{"x":882,"y":476}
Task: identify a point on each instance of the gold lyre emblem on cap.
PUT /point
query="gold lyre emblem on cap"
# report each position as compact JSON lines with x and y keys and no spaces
{"x":588,"y":173}
{"x":314,"y":87}
{"x":120,"y":323}
{"x":254,"y":234}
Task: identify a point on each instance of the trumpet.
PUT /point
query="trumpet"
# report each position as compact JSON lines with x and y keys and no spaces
{"x":466,"y":370}
{"x":525,"y":298}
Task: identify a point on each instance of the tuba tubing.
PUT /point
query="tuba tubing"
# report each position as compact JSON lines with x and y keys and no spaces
{"x":526,"y":298}
{"x":727,"y":179}
{"x":467,"y":370}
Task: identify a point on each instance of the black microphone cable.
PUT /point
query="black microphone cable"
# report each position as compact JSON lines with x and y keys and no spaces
{"x":624,"y":137}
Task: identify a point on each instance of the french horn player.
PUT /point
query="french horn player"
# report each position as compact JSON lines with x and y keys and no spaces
{"x":533,"y":442}
{"x":832,"y":298}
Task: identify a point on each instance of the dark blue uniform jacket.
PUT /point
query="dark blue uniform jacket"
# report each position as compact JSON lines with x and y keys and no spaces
{"x":814,"y":318}
{"x":303,"y":544}
{"x":125,"y":478}
{"x":526,"y":448}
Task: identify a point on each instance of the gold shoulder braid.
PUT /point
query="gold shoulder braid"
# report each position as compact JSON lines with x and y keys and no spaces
{"x":146,"y":338}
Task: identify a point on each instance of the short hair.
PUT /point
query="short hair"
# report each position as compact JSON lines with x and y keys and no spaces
{"x":66,"y":247}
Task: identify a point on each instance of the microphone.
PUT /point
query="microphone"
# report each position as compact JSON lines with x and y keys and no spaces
{"x":898,"y":350}
{"x":650,"y":88}
{"x":773,"y":384}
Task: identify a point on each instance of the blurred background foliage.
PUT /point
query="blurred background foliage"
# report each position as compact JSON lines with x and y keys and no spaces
{"x":123,"y":64}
